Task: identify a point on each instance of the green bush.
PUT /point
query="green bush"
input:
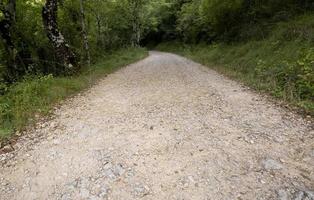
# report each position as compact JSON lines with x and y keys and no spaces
{"x":36,"y":95}
{"x":279,"y":66}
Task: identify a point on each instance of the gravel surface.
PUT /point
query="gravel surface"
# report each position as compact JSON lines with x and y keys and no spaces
{"x":164,"y":128}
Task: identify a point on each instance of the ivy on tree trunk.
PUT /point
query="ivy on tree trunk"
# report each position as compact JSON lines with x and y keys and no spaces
{"x":64,"y":54}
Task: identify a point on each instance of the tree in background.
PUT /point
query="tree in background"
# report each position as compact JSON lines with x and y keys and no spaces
{"x":190,"y":22}
{"x":8,"y":12}
{"x":136,"y":8}
{"x":17,"y":56}
{"x":84,"y":34}
{"x":94,"y":27}
{"x":222,"y":16}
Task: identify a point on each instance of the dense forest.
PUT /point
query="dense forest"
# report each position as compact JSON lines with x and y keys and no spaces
{"x":61,"y":37}
{"x":45,"y":41}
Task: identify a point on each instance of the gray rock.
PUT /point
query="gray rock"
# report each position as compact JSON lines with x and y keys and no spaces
{"x":141,"y":190}
{"x":312,"y":153}
{"x":103,"y":192}
{"x":65,"y":196}
{"x":282,"y":195}
{"x":270,"y":164}
{"x":118,"y":170}
{"x":299,"y":196}
{"x":304,"y":195}
{"x":309,"y":194}
{"x":84,"y":193}
{"x":109,"y":174}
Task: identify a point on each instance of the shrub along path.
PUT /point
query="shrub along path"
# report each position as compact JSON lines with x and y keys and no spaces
{"x":164,"y":128}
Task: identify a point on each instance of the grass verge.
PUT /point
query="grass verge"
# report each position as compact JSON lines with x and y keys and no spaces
{"x":37,"y":95}
{"x":281,"y":65}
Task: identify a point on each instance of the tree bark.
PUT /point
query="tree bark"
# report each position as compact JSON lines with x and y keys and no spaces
{"x":5,"y":29}
{"x":99,"y":38}
{"x":64,"y":54}
{"x":6,"y":24}
{"x":15,"y":58}
{"x":136,"y":35}
{"x":84,"y":34}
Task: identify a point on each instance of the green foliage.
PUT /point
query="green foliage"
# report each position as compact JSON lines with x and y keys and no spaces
{"x":281,"y":67}
{"x":229,"y":20}
{"x":190,"y":22}
{"x":267,"y":44}
{"x":221,"y":15}
{"x":36,"y":95}
{"x":38,"y":80}
{"x":109,"y":27}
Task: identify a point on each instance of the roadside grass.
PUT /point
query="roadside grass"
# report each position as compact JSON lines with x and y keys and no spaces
{"x":281,"y":65}
{"x":35,"y":96}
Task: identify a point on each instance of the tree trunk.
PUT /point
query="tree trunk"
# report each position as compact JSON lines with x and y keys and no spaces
{"x":17,"y":60}
{"x":99,"y":39}
{"x":136,"y":35}
{"x":84,"y":34}
{"x":65,"y":56}
{"x":5,"y":29}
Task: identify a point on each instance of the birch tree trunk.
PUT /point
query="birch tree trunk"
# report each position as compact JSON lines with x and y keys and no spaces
{"x":64,"y":54}
{"x":84,"y":34}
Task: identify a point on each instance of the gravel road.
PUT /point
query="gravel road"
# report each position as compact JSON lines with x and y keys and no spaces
{"x":164,"y":128}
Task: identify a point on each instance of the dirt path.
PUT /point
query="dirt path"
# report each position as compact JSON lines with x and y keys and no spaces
{"x":164,"y":128}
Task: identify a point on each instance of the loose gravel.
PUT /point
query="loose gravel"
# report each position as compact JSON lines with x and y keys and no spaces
{"x":164,"y":128}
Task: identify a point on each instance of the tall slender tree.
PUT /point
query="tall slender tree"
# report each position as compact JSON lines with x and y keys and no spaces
{"x":136,"y":6}
{"x":84,"y":34}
